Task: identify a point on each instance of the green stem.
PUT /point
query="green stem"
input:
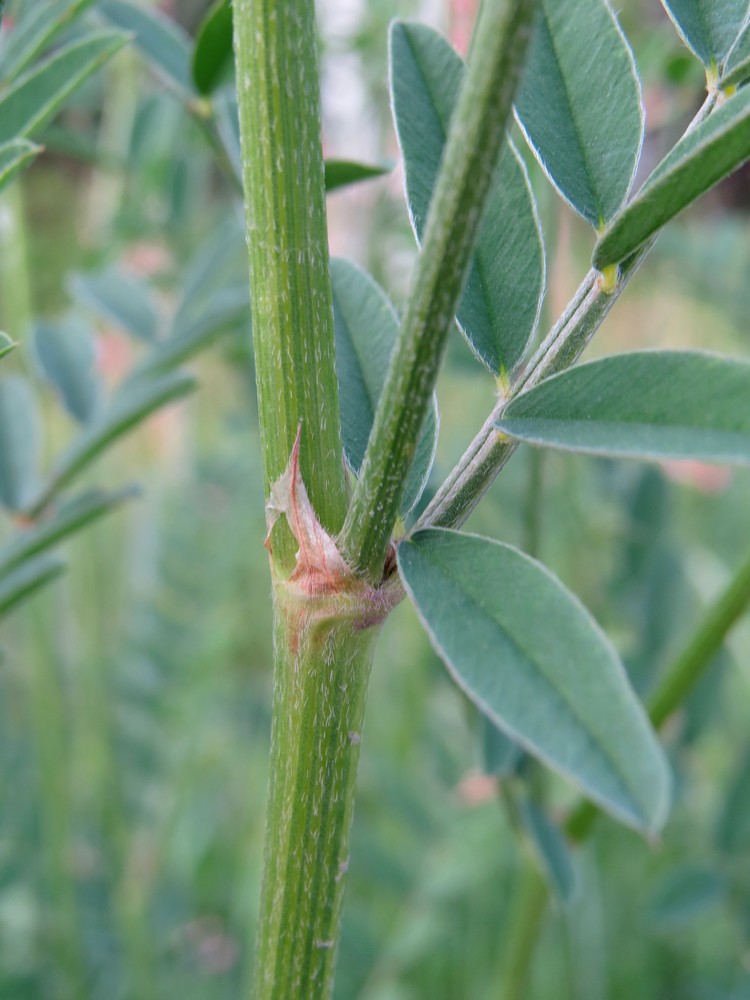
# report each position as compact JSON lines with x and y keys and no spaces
{"x":684,"y":672}
{"x":323,"y":639}
{"x":282,"y":159}
{"x":319,"y":702}
{"x":525,"y":921}
{"x":48,"y":720}
{"x":476,"y":132}
{"x":490,"y":450}
{"x":689,"y":666}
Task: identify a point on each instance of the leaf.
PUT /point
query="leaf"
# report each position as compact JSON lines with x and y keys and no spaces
{"x":212,"y":55}
{"x":499,"y":309}
{"x":551,"y":849}
{"x":14,"y":156}
{"x":38,"y":95}
{"x":120,"y":298}
{"x":6,"y":344}
{"x":66,"y":355}
{"x":342,"y":173}
{"x":366,"y":327}
{"x":500,"y":755}
{"x":733,"y":827}
{"x":229,"y":309}
{"x":217,"y":264}
{"x":579,"y":105}
{"x":20,"y":442}
{"x":128,"y":409}
{"x":35,"y":29}
{"x":647,"y":404}
{"x":159,"y":39}
{"x":67,"y":520}
{"x":534,"y":660}
{"x":27,"y":580}
{"x":228,"y":128}
{"x":684,"y":895}
{"x":737,"y":63}
{"x":708,"y":27}
{"x":702,"y":158}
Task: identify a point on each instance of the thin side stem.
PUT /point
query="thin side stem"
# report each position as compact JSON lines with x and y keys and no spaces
{"x":49,"y":725}
{"x":282,"y":160}
{"x":476,"y":132}
{"x":684,"y":672}
{"x":525,"y":921}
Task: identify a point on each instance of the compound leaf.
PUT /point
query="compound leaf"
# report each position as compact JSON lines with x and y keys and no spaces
{"x":35,"y":97}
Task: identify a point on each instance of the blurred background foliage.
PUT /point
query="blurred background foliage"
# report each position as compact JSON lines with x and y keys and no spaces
{"x":135,"y":689}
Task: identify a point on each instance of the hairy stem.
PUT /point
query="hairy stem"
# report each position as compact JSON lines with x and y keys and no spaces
{"x":322,"y":673}
{"x":282,"y":161}
{"x":476,"y":132}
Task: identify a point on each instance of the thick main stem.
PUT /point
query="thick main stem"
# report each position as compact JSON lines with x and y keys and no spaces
{"x":282,"y":161}
{"x":322,"y":674}
{"x":322,"y":652}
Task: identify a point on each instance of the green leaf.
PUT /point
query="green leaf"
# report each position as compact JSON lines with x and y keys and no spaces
{"x":73,"y":515}
{"x":733,"y":827}
{"x":499,"y":309}
{"x":737,"y":63}
{"x":579,"y":105}
{"x":6,"y":344}
{"x":228,"y":127}
{"x":366,"y":327}
{"x":159,"y":39}
{"x":684,"y":895}
{"x":702,"y":158}
{"x":14,"y":156}
{"x":120,"y":298}
{"x":212,"y":55}
{"x":17,"y":586}
{"x":500,"y":755}
{"x":130,"y":407}
{"x":342,"y":173}
{"x":533,"y":659}
{"x":708,"y":27}
{"x":551,"y":849}
{"x":35,"y":29}
{"x":66,"y":354}
{"x":38,"y":95}
{"x":20,"y":442}
{"x":217,"y":264}
{"x":647,"y":404}
{"x":229,"y":310}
